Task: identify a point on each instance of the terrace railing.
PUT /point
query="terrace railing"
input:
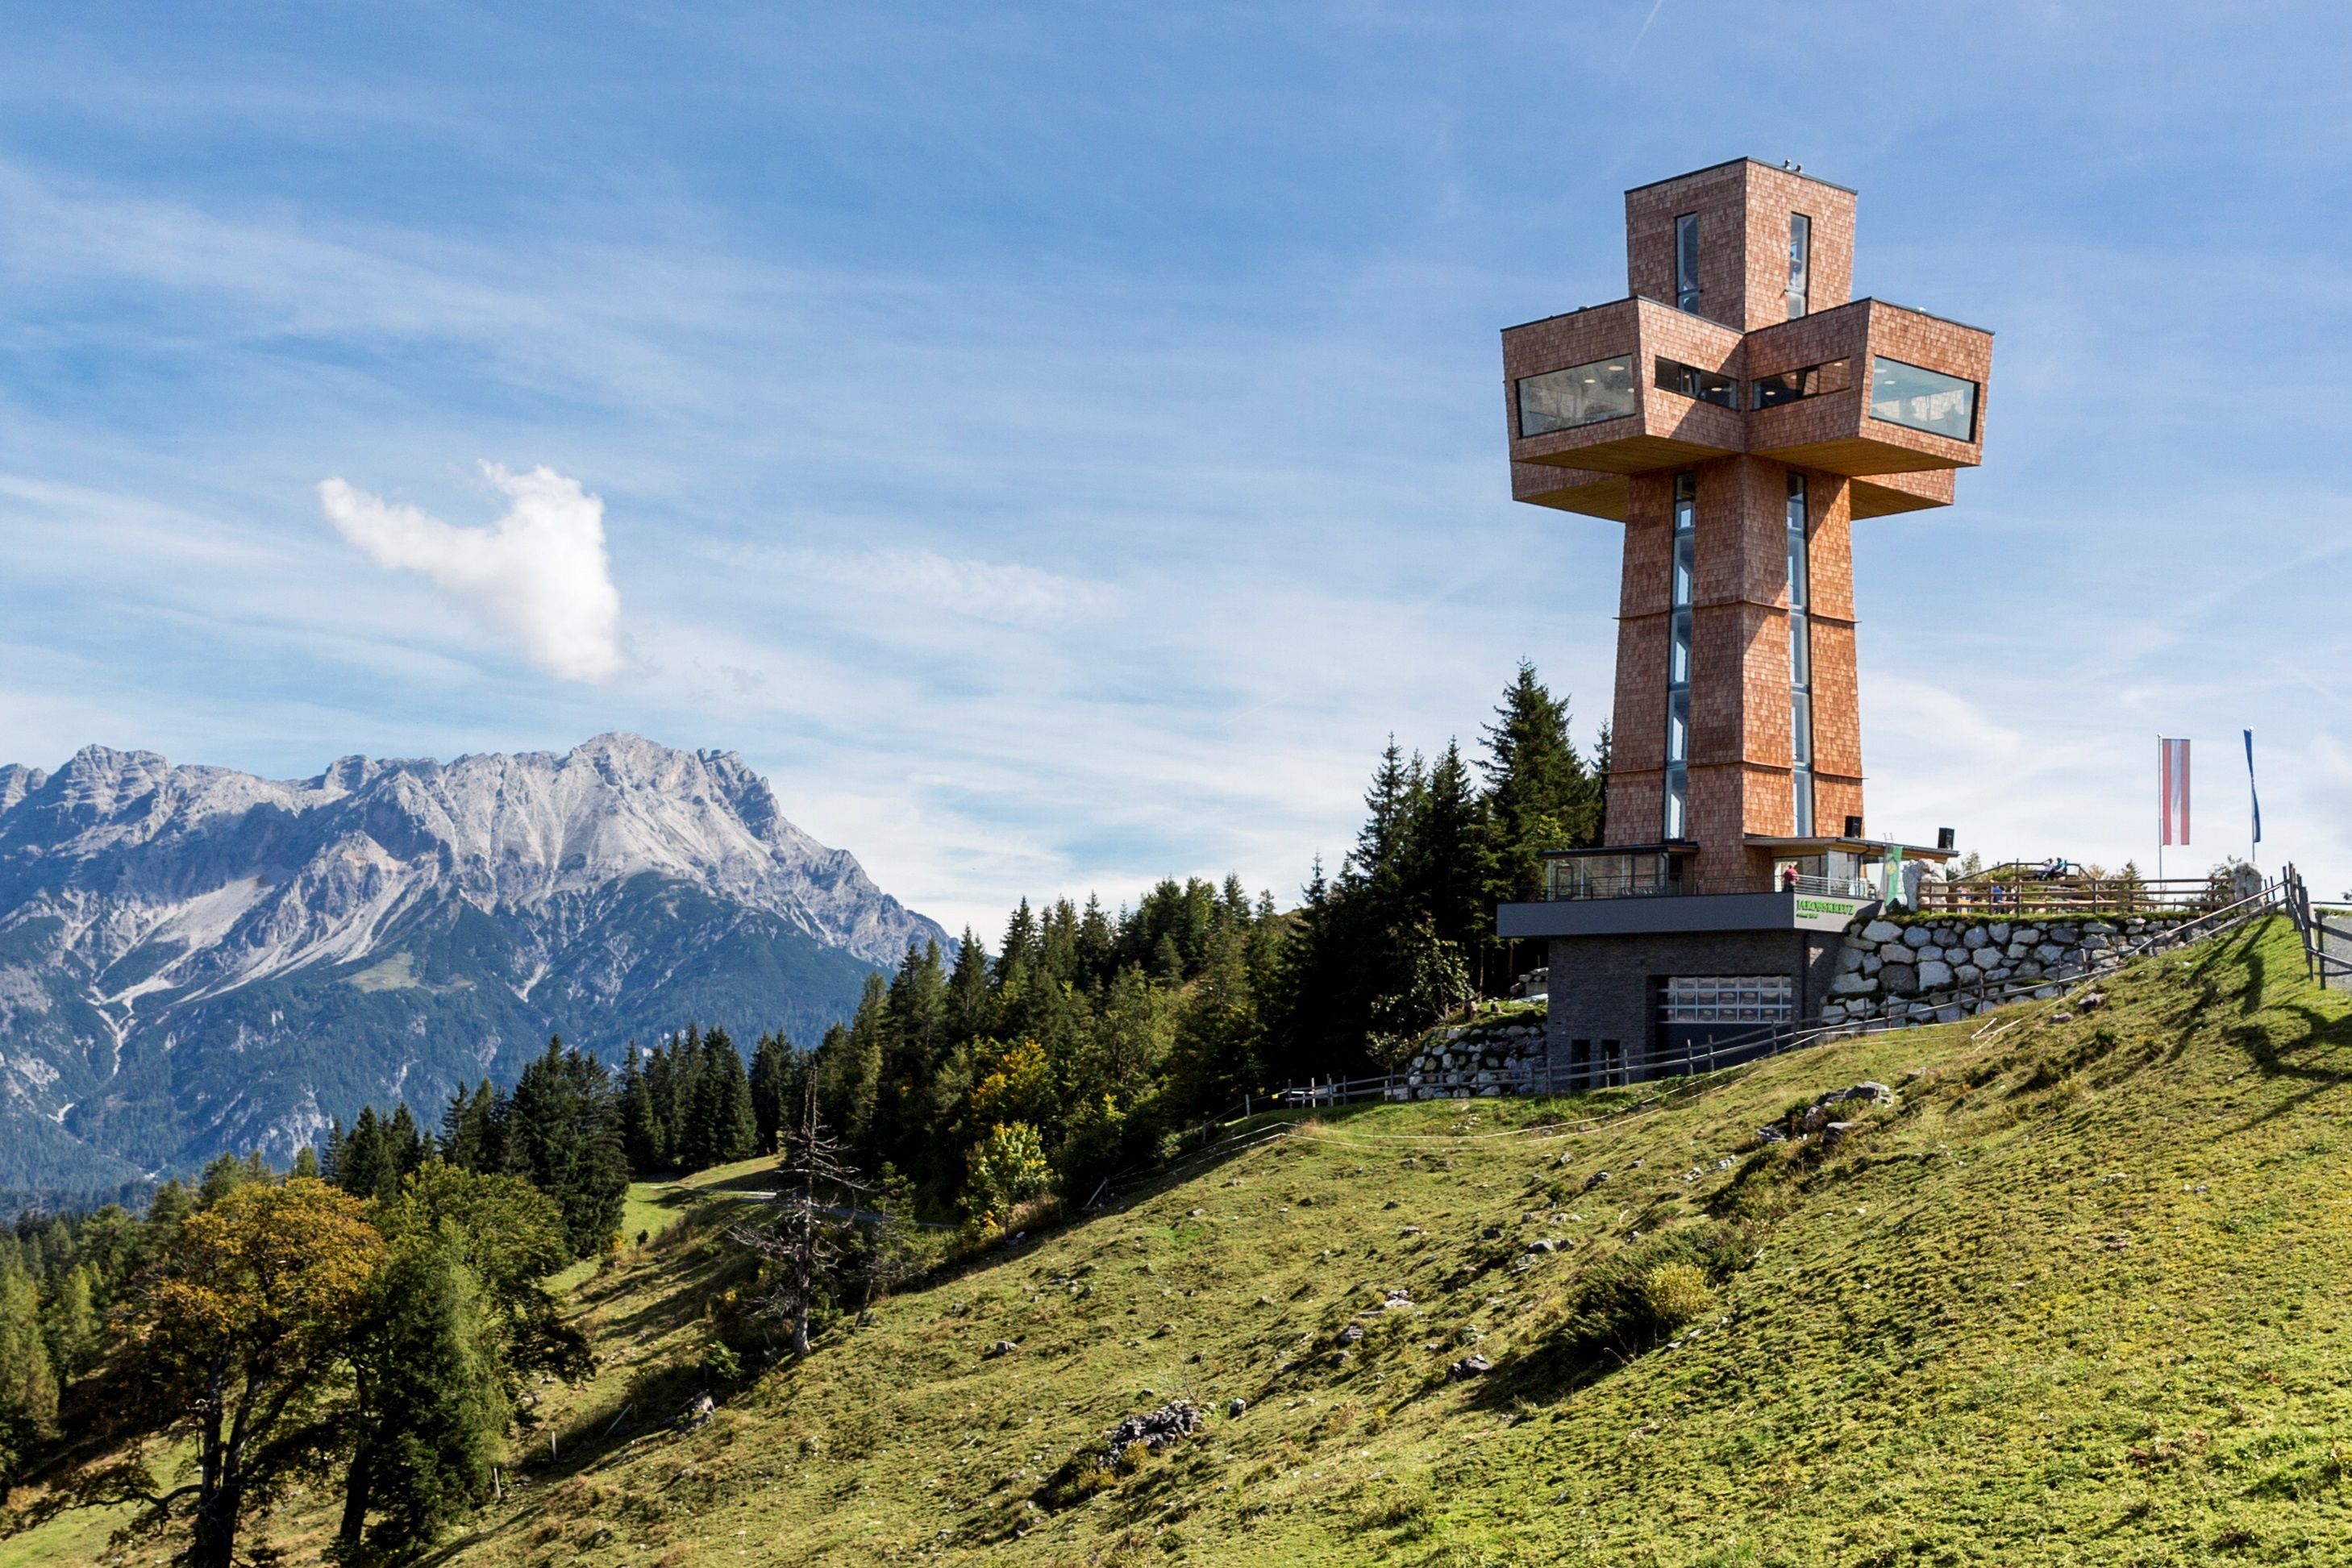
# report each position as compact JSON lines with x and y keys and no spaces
{"x":2028,"y":892}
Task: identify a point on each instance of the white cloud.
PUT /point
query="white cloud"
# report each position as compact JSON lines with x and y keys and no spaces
{"x":539,"y":575}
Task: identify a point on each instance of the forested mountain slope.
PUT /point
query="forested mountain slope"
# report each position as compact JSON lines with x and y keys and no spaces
{"x":2078,"y":1294}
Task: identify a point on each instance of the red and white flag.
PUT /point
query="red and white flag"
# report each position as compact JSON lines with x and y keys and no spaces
{"x":2172,"y":790}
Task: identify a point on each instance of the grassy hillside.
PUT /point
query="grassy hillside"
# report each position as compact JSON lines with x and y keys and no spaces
{"x":2083,"y":1293}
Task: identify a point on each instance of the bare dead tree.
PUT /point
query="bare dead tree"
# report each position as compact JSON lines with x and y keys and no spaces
{"x":804,"y":1239}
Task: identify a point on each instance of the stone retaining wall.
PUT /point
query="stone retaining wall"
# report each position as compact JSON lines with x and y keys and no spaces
{"x":1476,"y":1061}
{"x":1937,"y":972}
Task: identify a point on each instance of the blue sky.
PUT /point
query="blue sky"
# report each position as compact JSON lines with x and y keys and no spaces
{"x":1058,"y":445}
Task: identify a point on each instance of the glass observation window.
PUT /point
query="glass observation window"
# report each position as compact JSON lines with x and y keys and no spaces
{"x":1801,"y":666}
{"x":1687,"y":262}
{"x":1679,"y":654}
{"x":1801,"y":256}
{"x":1581,"y":394}
{"x":1920,"y":399}
{"x":1812,"y":380}
{"x":1689,"y":381}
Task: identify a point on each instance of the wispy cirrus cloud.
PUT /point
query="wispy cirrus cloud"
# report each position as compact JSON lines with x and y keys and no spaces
{"x":1010,"y":593}
{"x":539,"y":575}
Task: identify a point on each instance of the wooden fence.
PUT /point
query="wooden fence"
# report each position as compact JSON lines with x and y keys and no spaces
{"x":2029,"y":894}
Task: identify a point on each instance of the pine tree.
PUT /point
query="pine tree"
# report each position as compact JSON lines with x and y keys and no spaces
{"x":1097,"y":945}
{"x":469,"y":1127}
{"x":1057,"y":942}
{"x":775,"y":1069}
{"x":1020,"y":942}
{"x":166,"y":1212}
{"x":431,"y":1409}
{"x":1378,"y":863}
{"x":1444,"y":871}
{"x":367,"y":1167}
{"x":227,"y":1171}
{"x":804,"y":1244}
{"x":1601,"y":778}
{"x":72,"y":1326}
{"x":913,"y":1043}
{"x":564,"y":1135}
{"x":719,"y":1125}
{"x":1538,"y":795}
{"x":644,"y":1133}
{"x":673,"y":1084}
{"x":968,"y":1010}
{"x":28,"y":1382}
{"x":1215,"y":1057}
{"x":849,"y":1067}
{"x":405,"y":1141}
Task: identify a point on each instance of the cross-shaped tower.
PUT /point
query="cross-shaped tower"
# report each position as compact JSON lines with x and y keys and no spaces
{"x":1737,"y":411}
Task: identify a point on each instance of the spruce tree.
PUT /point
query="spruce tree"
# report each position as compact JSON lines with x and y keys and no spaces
{"x":1215,"y":1056}
{"x":719,"y":1127}
{"x":1538,"y":795}
{"x":675,"y":1093}
{"x":166,"y":1212}
{"x":1097,"y":945}
{"x":72,"y":1324}
{"x":469,"y":1127}
{"x":914,"y":1042}
{"x":1600,"y":780}
{"x":968,"y":1003}
{"x":564,"y":1135}
{"x":227,"y":1171}
{"x":1443,"y":870}
{"x":775,"y":1068}
{"x":431,"y":1407}
{"x":367,"y":1167}
{"x":1020,"y":942}
{"x":28,"y":1382}
{"x":644,"y":1134}
{"x":405,"y":1141}
{"x":1057,"y":942}
{"x":849,"y":1067}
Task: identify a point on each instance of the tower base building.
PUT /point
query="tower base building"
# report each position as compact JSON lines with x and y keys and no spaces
{"x":1737,"y":414}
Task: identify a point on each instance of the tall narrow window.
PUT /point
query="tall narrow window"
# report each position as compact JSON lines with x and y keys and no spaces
{"x":1687,"y":262}
{"x":1800,"y":252}
{"x":1678,"y":657}
{"x":1800,"y":664}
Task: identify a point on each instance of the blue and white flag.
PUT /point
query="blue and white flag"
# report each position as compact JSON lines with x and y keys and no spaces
{"x":2251,"y":793}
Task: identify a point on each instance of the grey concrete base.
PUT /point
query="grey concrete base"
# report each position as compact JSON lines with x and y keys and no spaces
{"x":1604,"y":990}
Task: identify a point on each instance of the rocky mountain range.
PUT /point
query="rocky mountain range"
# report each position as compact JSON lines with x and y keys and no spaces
{"x":194,"y":959}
